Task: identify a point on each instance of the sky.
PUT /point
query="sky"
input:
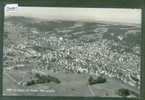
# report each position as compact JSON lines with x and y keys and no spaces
{"x":84,"y":14}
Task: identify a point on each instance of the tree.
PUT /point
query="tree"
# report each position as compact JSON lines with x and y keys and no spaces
{"x":123,"y":92}
{"x":99,"y":79}
{"x":32,"y":82}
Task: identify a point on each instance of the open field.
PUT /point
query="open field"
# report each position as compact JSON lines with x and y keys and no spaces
{"x":71,"y":85}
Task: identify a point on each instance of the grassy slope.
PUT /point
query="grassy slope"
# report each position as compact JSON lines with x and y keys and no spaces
{"x":71,"y":85}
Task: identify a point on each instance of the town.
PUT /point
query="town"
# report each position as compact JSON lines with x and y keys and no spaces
{"x":45,"y":51}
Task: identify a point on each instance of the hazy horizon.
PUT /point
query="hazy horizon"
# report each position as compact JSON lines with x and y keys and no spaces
{"x":84,"y":14}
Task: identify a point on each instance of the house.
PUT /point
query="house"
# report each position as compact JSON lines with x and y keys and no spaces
{"x":82,"y":70}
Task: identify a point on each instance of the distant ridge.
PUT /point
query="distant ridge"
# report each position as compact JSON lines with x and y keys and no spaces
{"x":22,"y":18}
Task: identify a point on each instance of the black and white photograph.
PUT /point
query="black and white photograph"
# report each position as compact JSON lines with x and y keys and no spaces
{"x":71,"y":51}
